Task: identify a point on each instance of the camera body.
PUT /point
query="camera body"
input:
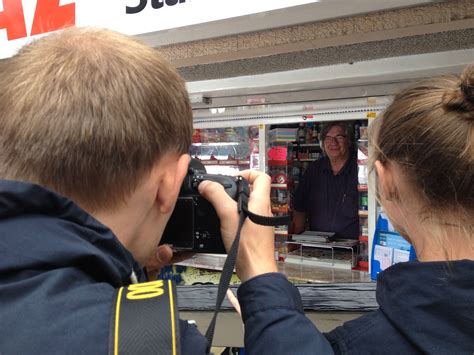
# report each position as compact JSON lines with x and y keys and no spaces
{"x":194,"y":225}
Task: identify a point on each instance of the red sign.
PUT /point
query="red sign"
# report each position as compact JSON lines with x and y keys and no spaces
{"x":49,"y":16}
{"x":277,"y":153}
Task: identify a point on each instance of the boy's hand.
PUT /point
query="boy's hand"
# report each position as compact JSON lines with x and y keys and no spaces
{"x":257,"y":249}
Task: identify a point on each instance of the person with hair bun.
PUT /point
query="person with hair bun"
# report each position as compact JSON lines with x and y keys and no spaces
{"x":422,"y":156}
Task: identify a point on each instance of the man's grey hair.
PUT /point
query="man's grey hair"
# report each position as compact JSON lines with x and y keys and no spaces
{"x":348,"y":131}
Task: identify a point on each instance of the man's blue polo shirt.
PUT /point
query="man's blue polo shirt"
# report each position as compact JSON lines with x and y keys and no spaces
{"x":331,"y":202}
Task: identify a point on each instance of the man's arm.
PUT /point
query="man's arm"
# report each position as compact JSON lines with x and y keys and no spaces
{"x":300,"y":202}
{"x":298,"y":221}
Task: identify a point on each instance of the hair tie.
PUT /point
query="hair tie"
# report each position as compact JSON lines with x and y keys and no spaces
{"x":465,"y":91}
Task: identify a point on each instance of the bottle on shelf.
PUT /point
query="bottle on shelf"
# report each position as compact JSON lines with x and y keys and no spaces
{"x":363,"y":200}
{"x":363,"y":131}
{"x":309,"y":133}
{"x":314,"y":135}
{"x":301,"y":133}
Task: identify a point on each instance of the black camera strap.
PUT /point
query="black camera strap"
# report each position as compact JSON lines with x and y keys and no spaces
{"x":229,"y":263}
{"x":243,"y":199}
{"x":267,"y":221}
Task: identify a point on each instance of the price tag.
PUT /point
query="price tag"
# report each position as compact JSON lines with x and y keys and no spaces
{"x":371,"y":101}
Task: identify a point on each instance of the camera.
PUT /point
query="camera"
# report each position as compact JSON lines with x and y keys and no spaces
{"x":194,"y":225}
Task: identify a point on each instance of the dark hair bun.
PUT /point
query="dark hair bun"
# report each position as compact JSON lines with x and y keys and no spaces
{"x":461,"y":97}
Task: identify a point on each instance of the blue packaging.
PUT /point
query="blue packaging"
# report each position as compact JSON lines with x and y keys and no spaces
{"x":389,"y":247}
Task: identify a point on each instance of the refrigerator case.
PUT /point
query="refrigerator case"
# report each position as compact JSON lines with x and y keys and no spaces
{"x":232,"y":149}
{"x":226,"y":150}
{"x":280,"y":169}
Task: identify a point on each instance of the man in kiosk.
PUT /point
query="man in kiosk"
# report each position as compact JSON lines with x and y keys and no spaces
{"x":327,"y":198}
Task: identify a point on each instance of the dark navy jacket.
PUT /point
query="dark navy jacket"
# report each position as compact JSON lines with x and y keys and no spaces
{"x":59,"y":271}
{"x":425,"y":308}
{"x":331,"y":202}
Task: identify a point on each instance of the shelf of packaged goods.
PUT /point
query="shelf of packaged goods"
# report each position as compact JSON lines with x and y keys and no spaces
{"x":363,"y":213}
{"x":217,"y":144}
{"x":362,"y":188}
{"x":281,"y":141}
{"x":280,"y":209}
{"x":279,"y":186}
{"x":312,"y":159}
{"x":226,"y":162}
{"x":279,"y":162}
{"x":308,"y":145}
{"x":363,"y":238}
{"x":362,"y":266}
{"x":281,"y":233}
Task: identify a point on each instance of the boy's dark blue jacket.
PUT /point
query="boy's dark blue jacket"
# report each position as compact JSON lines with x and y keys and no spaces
{"x":59,"y":271}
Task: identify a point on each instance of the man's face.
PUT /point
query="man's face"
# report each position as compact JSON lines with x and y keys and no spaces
{"x":336,"y":144}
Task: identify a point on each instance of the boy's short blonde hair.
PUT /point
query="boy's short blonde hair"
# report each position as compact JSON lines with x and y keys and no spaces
{"x":87,"y":112}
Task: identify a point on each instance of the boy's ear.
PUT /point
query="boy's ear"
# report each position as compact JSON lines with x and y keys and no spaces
{"x":170,"y":182}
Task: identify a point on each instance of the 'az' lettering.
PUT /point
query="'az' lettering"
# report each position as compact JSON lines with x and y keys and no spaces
{"x":156,"y":4}
{"x":49,"y":16}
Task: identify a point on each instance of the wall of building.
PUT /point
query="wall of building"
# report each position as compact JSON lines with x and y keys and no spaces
{"x":434,"y":27}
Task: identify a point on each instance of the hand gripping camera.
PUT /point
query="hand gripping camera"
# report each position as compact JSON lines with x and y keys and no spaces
{"x":194,"y":225}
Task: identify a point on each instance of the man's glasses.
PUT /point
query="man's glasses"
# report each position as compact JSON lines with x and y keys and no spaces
{"x":337,"y":139}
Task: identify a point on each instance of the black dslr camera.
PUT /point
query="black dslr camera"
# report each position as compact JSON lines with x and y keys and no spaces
{"x":194,"y":225}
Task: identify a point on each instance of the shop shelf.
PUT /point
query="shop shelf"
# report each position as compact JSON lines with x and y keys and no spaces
{"x":280,"y":209}
{"x":363,"y":188}
{"x":279,"y":186}
{"x":232,"y":162}
{"x":308,"y":145}
{"x":279,"y":162}
{"x":363,"y":213}
{"x":362,"y":266}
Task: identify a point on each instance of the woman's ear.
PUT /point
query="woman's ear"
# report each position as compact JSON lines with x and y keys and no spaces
{"x":171,"y":181}
{"x":386,"y":182}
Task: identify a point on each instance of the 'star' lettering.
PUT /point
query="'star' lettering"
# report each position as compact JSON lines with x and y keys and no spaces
{"x":49,"y":16}
{"x":156,"y":4}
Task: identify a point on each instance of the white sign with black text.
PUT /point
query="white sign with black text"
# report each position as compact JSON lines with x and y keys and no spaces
{"x":23,"y":20}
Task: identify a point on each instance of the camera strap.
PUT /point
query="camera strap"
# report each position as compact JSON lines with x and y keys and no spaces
{"x":267,"y":221}
{"x":229,"y":264}
{"x":134,"y":327}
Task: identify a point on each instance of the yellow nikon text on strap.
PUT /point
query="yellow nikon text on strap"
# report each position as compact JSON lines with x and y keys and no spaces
{"x":145,"y":290}
{"x":146,"y":319}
